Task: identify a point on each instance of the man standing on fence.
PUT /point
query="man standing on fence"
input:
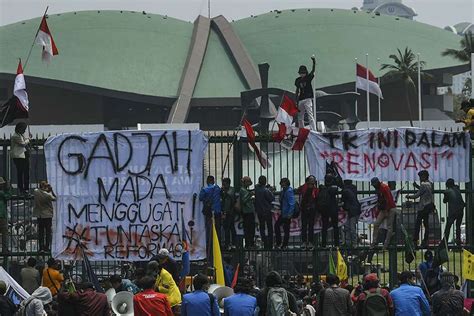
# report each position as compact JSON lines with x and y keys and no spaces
{"x":263,"y":206}
{"x":247,"y":208}
{"x":43,"y":210}
{"x":352,"y":207}
{"x":304,"y":94}
{"x":387,"y":210}
{"x":4,"y":197}
{"x":210,"y":195}
{"x":287,"y":207}
{"x":309,"y":194}
{"x":328,"y":206}
{"x":424,"y":207}
{"x":453,"y":197}
{"x":228,"y":213}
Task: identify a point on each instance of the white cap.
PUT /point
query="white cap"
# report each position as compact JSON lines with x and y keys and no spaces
{"x":163,"y":253}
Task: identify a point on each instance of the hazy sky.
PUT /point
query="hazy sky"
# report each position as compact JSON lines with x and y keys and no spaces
{"x":435,"y":12}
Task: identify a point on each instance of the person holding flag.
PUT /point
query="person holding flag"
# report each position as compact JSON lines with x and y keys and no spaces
{"x":304,"y":94}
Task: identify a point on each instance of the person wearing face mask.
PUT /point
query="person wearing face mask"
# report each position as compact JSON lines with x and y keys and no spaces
{"x":408,"y":298}
{"x":304,"y":94}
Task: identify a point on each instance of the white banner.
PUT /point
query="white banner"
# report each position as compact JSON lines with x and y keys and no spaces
{"x":14,"y":291}
{"x":368,"y":215}
{"x":391,"y":154}
{"x":124,"y":195}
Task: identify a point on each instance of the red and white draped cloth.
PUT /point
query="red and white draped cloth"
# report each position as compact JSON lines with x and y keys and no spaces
{"x":289,"y":136}
{"x":45,"y":39}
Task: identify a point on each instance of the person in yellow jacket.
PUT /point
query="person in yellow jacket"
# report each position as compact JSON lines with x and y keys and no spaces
{"x":468,"y":108}
{"x":166,"y":285}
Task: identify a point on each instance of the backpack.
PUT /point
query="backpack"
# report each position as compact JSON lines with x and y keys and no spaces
{"x":375,"y":304}
{"x":322,"y":201}
{"x":277,"y":302}
{"x":22,"y":307}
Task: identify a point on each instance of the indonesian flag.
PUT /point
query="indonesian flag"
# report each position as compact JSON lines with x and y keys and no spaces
{"x":295,"y":138}
{"x":45,"y":39}
{"x":362,"y":82}
{"x":287,"y":111}
{"x":248,"y":132}
{"x":19,"y":88}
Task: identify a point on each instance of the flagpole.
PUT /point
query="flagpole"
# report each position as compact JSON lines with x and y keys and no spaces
{"x":378,"y":81}
{"x":314,"y":100}
{"x":419,"y":91}
{"x":355,"y":88}
{"x":368,"y":87}
{"x":34,"y":40}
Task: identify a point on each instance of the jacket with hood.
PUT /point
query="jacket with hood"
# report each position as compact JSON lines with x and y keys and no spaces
{"x":36,"y":302}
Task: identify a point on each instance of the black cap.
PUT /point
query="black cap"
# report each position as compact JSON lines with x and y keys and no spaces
{"x":303,"y":70}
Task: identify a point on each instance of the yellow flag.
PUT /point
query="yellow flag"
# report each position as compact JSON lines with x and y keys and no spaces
{"x":468,"y":265}
{"x":217,"y":256}
{"x":341,"y":267}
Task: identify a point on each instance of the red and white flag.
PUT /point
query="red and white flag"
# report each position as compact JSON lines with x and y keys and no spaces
{"x":362,"y":82}
{"x":287,"y":111}
{"x":248,"y":132}
{"x":45,"y":39}
{"x":295,"y":138}
{"x":19,"y":88}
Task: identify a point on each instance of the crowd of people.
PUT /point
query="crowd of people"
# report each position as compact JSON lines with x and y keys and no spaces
{"x":155,"y":292}
{"x":310,"y":201}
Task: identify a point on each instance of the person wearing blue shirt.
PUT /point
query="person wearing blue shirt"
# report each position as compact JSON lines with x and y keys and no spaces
{"x":200,"y":302}
{"x":287,"y":207}
{"x":425,"y":266}
{"x":409,"y":299}
{"x":210,"y":196}
{"x":241,"y":303}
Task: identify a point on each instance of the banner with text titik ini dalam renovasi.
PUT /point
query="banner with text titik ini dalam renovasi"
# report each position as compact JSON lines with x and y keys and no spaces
{"x":124,"y":195}
{"x":391,"y":154}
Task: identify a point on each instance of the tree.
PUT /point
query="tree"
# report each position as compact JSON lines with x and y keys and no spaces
{"x":467,"y":48}
{"x":405,"y":67}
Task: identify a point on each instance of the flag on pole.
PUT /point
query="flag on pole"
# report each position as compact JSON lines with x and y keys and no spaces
{"x":217,"y":256}
{"x":90,"y":272}
{"x":287,"y":111}
{"x":362,"y":82}
{"x":18,"y":105}
{"x":441,"y":254}
{"x":45,"y":39}
{"x":409,"y":246}
{"x":332,"y":266}
{"x":19,"y":88}
{"x":468,"y":265}
{"x":341,"y":267}
{"x":248,"y":132}
{"x":236,"y":276}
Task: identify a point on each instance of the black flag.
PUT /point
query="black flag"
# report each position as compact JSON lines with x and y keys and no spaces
{"x":12,"y":110}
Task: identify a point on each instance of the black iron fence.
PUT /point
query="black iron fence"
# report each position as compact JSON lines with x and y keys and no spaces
{"x":227,"y":157}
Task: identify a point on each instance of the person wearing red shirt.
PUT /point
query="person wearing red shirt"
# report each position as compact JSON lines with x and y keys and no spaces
{"x":149,"y":302}
{"x":309,"y":194}
{"x":387,"y":210}
{"x":372,"y":285}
